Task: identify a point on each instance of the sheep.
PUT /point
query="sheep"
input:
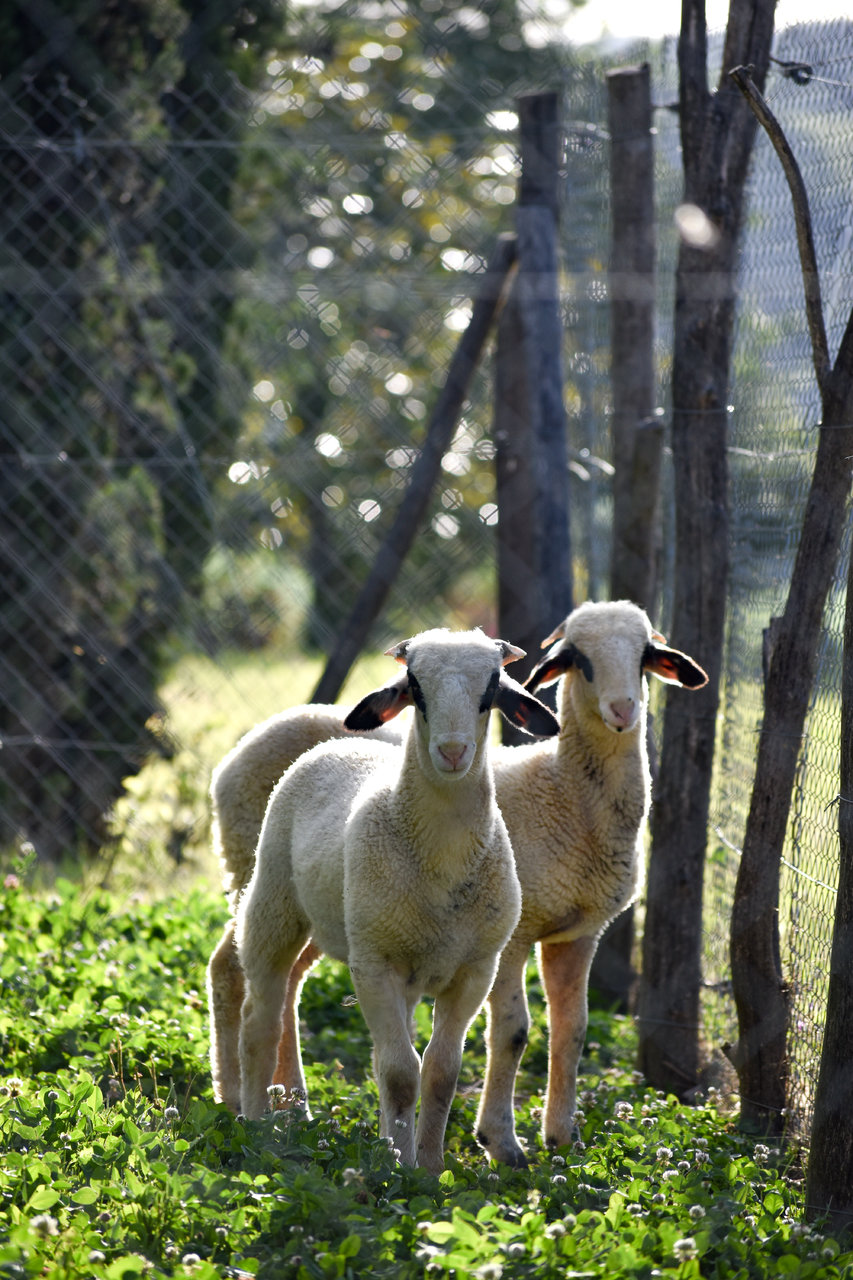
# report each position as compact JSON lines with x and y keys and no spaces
{"x":575,"y":809}
{"x":396,"y":860}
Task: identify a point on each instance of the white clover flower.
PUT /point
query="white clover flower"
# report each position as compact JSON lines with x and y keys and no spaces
{"x":558,"y":1160}
{"x":635,"y":1209}
{"x":516,"y":1249}
{"x":95,"y":1256}
{"x":555,"y":1230}
{"x":685,"y":1249}
{"x":647,"y":1122}
{"x":172,"y":1113}
{"x":276,"y":1092}
{"x":558,"y":1180}
{"x":658,"y":1198}
{"x":190,"y":1260}
{"x":761,"y":1153}
{"x":489,"y":1271}
{"x":663,"y":1153}
{"x":696,"y":1212}
{"x":45,"y":1225}
{"x":350,"y":1176}
{"x":401,"y":1124}
{"x":669,"y":1174}
{"x":623,"y":1111}
{"x":570,"y":1221}
{"x":684,"y":1165}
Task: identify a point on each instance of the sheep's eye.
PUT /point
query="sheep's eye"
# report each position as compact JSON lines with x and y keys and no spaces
{"x":491,"y":689}
{"x":582,"y":662}
{"x":417,"y":695}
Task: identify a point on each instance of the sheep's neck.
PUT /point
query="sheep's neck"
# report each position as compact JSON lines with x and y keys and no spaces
{"x":444,"y":813}
{"x":589,"y":729}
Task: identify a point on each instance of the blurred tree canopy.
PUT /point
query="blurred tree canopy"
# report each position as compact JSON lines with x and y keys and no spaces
{"x":239,"y":241}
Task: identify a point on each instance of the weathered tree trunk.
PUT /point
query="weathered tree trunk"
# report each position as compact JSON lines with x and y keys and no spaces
{"x":717,"y":132}
{"x":761,"y":994}
{"x":637,"y":438}
{"x":829,"y":1185}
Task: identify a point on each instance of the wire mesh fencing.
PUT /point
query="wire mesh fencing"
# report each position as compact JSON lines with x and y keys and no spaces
{"x":226,"y":315}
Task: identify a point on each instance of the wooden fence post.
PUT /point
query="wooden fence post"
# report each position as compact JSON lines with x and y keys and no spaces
{"x":539,"y":309}
{"x":637,"y":437}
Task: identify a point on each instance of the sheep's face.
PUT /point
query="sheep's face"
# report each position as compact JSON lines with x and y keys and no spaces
{"x":609,"y":651}
{"x":453,"y":679}
{"x":608,"y":648}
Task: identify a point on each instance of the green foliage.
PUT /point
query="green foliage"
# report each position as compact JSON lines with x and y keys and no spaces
{"x":116,"y":1162}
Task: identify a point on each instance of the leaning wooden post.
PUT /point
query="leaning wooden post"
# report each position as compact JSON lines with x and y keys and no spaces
{"x":425,"y":471}
{"x":542,"y":328}
{"x":636,"y":436}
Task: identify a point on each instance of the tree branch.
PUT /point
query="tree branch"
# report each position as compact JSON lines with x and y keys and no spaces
{"x":802,"y":221}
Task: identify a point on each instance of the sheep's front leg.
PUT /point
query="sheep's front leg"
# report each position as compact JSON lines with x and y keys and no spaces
{"x":225,"y":990}
{"x":565,"y":976}
{"x":387,"y":1006}
{"x":455,"y":1008}
{"x":507,"y":1025}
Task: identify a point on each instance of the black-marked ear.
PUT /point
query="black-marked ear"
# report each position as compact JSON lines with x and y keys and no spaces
{"x":510,"y":652}
{"x":673,"y":667}
{"x":561,"y":659}
{"x":400,"y":651}
{"x":381,"y":705}
{"x":557,"y":634}
{"x":522,"y":709}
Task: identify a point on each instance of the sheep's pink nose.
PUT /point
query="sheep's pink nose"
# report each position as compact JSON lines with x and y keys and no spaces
{"x":453,"y":753}
{"x":622,"y":712}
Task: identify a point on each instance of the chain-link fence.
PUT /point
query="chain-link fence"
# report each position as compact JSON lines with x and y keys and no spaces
{"x":226,"y":314}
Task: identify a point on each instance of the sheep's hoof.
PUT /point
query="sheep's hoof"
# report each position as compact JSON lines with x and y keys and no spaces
{"x":513,"y":1156}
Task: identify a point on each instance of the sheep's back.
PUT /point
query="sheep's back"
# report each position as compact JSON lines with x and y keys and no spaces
{"x":242,"y":782}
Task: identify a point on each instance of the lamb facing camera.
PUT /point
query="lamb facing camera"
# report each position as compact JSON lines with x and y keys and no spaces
{"x":396,"y":860}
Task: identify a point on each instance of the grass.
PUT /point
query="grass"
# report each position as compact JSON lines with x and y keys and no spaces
{"x":116,"y":1162}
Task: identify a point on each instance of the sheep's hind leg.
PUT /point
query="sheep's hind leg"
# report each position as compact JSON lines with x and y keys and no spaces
{"x":267,"y":972}
{"x":455,"y":1009}
{"x":288,"y":1070}
{"x":225,"y":991}
{"x":565,"y":976}
{"x":507,"y":1025}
